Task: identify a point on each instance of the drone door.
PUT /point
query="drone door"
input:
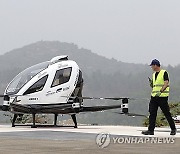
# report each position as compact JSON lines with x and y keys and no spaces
{"x":62,"y":85}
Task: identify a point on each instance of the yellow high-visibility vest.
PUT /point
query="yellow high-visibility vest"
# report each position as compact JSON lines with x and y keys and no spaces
{"x":158,"y":84}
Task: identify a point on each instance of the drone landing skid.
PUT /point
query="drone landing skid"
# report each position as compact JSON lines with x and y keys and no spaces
{"x":43,"y":125}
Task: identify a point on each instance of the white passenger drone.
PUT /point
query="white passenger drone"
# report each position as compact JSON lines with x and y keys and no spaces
{"x":52,"y":87}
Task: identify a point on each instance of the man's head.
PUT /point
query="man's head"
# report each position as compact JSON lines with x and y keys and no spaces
{"x":155,"y":65}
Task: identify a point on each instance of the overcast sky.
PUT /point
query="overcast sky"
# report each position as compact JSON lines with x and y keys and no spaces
{"x":132,"y":31}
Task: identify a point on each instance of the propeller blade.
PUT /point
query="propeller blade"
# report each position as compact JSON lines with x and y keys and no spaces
{"x":101,"y":98}
{"x":14,"y":95}
{"x":144,"y":99}
{"x":108,"y":98}
{"x":131,"y":114}
{"x":138,"y":115}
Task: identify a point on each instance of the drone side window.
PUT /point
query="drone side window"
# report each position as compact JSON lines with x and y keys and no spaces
{"x":62,"y":76}
{"x":38,"y":86}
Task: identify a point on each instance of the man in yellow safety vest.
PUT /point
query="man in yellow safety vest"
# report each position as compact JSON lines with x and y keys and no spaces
{"x":159,"y":98}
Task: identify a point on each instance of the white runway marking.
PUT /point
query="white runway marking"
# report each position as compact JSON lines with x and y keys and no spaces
{"x":113,"y":130}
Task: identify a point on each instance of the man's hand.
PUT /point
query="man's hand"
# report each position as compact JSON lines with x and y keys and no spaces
{"x":158,"y":94}
{"x":150,"y":82}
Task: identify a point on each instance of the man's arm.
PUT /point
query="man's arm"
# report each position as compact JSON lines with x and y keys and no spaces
{"x":150,"y":82}
{"x":166,"y":84}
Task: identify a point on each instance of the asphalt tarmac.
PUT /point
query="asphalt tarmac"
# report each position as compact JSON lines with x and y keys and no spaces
{"x":46,"y":140}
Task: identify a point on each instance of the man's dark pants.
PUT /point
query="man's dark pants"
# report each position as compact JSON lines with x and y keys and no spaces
{"x":161,"y":102}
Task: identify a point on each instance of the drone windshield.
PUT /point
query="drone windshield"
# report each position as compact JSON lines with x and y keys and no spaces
{"x":21,"y":79}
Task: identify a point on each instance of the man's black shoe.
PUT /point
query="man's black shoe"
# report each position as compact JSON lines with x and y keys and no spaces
{"x":173,"y":132}
{"x":147,"y":132}
{"x":75,"y":126}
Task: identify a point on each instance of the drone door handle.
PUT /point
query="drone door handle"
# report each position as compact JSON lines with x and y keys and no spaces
{"x":59,"y":90}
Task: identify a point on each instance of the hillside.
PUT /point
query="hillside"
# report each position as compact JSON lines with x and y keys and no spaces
{"x":103,"y":77}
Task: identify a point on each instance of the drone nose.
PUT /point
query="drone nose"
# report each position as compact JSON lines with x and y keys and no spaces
{"x":5,"y":106}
